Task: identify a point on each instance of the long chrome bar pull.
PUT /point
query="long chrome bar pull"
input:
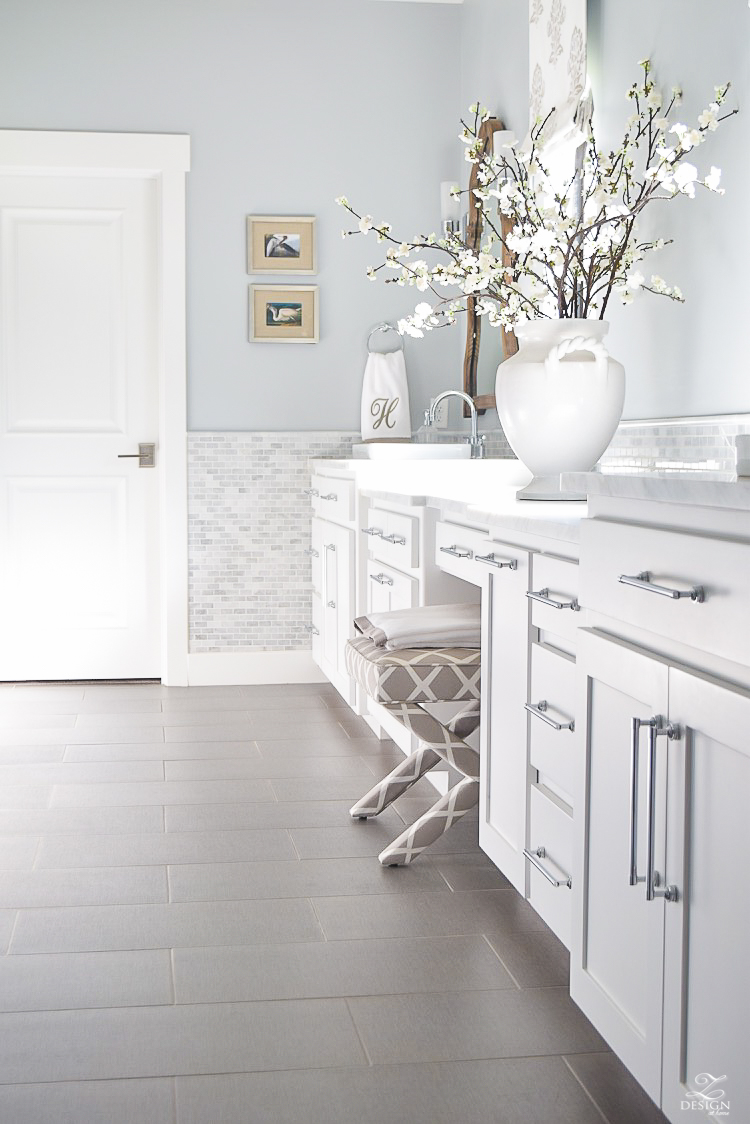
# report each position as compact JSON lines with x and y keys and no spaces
{"x":656,"y":727}
{"x":635,"y":737}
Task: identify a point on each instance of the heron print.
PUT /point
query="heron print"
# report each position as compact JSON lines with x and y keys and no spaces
{"x":288,"y":313}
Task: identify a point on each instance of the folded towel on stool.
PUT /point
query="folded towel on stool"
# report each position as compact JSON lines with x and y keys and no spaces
{"x":429,"y":626}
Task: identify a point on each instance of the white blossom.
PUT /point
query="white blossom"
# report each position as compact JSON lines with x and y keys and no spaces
{"x":571,"y":246}
{"x":709,"y":119}
{"x":712,"y":180}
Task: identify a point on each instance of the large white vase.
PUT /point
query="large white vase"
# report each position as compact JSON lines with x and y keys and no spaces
{"x":559,"y":399}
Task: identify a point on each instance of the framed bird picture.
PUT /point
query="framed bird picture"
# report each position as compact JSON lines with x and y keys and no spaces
{"x":281,"y":244}
{"x":283,"y":313}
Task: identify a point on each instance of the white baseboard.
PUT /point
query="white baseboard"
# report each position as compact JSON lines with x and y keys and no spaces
{"x":213,"y":669}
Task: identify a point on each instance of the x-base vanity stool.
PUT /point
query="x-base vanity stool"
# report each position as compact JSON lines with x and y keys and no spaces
{"x":402,"y":680}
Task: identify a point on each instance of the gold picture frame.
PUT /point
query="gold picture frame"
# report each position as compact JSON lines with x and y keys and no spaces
{"x":283,"y":313}
{"x":281,"y":244}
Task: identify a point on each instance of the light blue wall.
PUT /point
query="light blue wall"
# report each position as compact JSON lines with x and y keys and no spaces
{"x":693,"y":358}
{"x":288,"y":105}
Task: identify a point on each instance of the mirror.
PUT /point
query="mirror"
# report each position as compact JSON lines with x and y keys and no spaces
{"x":480,"y":364}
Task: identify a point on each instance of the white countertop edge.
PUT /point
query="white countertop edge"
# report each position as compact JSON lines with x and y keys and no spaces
{"x":702,"y":489}
{"x":557,"y":520}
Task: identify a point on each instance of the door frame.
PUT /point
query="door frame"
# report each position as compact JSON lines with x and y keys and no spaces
{"x":164,"y":158}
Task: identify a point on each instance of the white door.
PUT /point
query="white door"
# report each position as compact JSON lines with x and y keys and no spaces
{"x":617,"y":940}
{"x":79,"y":564}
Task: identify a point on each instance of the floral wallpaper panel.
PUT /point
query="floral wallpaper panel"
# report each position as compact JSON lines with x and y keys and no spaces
{"x":557,"y":54}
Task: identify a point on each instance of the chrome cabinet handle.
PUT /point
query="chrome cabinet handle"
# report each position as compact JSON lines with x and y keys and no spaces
{"x":397,"y":540}
{"x":330,"y":496}
{"x":313,"y":553}
{"x":543,"y":596}
{"x":457,"y":551}
{"x":490,"y":559}
{"x":311,"y":628}
{"x":635,"y":735}
{"x":643,"y":581}
{"x":331,"y":604}
{"x":656,"y":728}
{"x":383,"y":579}
{"x":539,"y":710}
{"x":372,"y":531}
{"x":540,"y":853}
{"x":331,"y":546}
{"x":311,"y":492}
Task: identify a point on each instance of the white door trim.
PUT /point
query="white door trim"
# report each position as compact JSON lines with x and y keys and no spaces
{"x":165,"y":159}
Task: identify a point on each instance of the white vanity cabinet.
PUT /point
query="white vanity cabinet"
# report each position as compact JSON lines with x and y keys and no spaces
{"x":528,"y":754}
{"x":661,"y":905}
{"x":333,"y":562}
{"x":553,"y":753}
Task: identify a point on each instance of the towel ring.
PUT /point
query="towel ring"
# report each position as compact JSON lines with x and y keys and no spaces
{"x":384,"y":327}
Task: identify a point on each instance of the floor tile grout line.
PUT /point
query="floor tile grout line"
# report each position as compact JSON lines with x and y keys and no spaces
{"x":499,"y":957}
{"x":588,"y":1093}
{"x":12,"y":932}
{"x":360,"y":1039}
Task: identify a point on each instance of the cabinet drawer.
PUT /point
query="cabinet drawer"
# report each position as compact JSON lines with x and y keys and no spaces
{"x":555,"y":580}
{"x":553,"y":752}
{"x":551,"y":847}
{"x":472,"y":555}
{"x":333,"y":498}
{"x":676,"y":562}
{"x":394,"y":538}
{"x":387,"y":589}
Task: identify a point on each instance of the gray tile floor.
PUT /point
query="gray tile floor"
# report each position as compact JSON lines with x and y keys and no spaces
{"x":192,"y":931}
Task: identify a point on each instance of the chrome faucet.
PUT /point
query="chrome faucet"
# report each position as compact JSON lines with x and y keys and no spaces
{"x":475,"y":441}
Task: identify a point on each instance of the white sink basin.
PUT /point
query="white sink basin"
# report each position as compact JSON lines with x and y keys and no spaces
{"x":413,"y":451}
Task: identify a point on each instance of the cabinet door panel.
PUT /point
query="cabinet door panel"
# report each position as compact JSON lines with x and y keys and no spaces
{"x":707,"y":978}
{"x":503,"y":761}
{"x":617,"y":940}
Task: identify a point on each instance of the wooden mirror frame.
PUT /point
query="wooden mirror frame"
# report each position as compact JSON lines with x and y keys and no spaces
{"x":473,"y":240}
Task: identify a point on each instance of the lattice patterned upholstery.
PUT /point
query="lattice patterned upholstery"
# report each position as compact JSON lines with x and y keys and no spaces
{"x":414,"y":675}
{"x":401,"y":681}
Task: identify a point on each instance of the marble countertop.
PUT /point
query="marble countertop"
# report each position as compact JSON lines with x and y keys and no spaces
{"x":481,"y":493}
{"x":703,"y":489}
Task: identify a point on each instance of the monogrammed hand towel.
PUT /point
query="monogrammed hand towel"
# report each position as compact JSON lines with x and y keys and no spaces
{"x":385,"y":398}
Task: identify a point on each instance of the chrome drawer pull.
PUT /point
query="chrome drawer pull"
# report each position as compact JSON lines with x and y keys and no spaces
{"x":330,"y":546}
{"x":539,"y":710}
{"x":312,"y":552}
{"x":543,"y":596}
{"x":534,"y":857}
{"x":331,"y":604}
{"x":330,"y":496}
{"x":382,"y":579}
{"x":311,"y":628}
{"x":643,"y":581}
{"x":372,"y":531}
{"x":490,"y":559}
{"x":311,"y":492}
{"x":397,"y":540}
{"x":457,"y":551}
